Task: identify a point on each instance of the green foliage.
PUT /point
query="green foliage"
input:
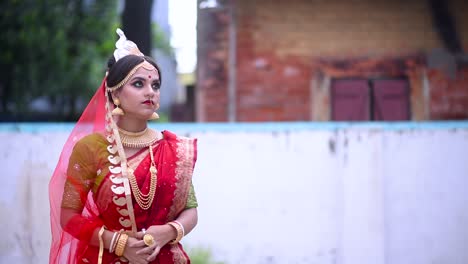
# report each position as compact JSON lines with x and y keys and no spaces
{"x":201,"y":255}
{"x":163,"y":117}
{"x":161,"y":40}
{"x":56,"y":49}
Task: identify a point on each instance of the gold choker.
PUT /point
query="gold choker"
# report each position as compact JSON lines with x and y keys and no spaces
{"x":141,"y":139}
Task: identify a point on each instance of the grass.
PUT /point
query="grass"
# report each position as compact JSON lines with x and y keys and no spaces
{"x":200,"y":255}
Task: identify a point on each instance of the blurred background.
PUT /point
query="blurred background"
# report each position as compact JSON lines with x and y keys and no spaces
{"x":330,"y":131}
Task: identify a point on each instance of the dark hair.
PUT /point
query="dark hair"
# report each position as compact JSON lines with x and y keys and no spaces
{"x":120,"y":69}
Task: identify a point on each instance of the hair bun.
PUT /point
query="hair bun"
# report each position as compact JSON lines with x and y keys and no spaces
{"x":110,"y":62}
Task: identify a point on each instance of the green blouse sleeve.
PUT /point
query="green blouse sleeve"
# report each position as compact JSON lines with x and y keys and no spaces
{"x":191,"y":198}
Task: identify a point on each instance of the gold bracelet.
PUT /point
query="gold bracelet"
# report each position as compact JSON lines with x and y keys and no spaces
{"x":121,"y":243}
{"x":101,"y":245}
{"x":179,"y":231}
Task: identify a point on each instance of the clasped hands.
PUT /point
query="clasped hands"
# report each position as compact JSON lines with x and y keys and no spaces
{"x":142,"y":250}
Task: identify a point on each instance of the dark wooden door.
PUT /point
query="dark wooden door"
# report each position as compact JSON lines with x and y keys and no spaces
{"x":390,"y":100}
{"x":350,"y":100}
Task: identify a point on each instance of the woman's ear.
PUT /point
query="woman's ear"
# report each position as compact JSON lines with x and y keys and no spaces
{"x":115,"y":95}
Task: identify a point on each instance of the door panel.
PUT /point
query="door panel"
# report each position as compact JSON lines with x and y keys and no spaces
{"x":350,"y":100}
{"x":391,"y":100}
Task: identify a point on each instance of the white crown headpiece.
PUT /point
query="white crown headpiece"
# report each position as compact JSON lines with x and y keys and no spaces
{"x":125,"y":47}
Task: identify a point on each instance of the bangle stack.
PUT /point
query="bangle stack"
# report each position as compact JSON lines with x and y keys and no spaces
{"x":121,"y":243}
{"x":179,"y":229}
{"x":114,"y":240}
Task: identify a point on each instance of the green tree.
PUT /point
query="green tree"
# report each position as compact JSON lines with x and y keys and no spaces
{"x":53,"y":48}
{"x":161,"y":40}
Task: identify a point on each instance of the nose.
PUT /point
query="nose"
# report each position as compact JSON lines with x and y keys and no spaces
{"x":149,"y":91}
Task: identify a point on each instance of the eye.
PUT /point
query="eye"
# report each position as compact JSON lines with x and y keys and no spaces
{"x":156,"y":85}
{"x":137,"y":84}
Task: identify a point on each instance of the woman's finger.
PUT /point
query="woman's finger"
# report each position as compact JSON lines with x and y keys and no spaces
{"x":146,"y":250}
{"x":136,"y":244}
{"x":139,"y":235}
{"x":154,"y":254}
{"x":143,"y":259}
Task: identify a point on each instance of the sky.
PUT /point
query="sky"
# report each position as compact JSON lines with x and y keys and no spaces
{"x":183,"y":23}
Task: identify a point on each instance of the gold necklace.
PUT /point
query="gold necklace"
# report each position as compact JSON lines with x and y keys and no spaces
{"x":144,"y":200}
{"x":141,"y":139}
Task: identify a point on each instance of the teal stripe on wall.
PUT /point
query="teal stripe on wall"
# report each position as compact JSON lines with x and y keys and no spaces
{"x":251,"y":127}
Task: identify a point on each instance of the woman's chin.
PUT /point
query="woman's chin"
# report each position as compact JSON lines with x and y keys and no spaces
{"x":146,"y":116}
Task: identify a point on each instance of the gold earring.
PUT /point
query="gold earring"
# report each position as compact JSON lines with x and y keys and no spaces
{"x":117,"y":110}
{"x":154,"y":116}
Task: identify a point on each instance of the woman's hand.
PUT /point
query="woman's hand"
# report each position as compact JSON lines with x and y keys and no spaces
{"x":135,"y":245}
{"x":162,"y":234}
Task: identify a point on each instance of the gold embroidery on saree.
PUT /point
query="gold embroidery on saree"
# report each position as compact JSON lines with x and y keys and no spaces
{"x":71,"y":197}
{"x":125,"y":222}
{"x":177,"y":255}
{"x":136,"y":160}
{"x":183,"y":175}
{"x":120,"y":201}
{"x":118,"y":186}
{"x":123,"y":212}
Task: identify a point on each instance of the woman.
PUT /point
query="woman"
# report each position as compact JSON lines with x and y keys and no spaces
{"x":121,"y":191}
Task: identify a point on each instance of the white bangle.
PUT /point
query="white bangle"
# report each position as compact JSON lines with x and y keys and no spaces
{"x":111,"y":248}
{"x":181,"y":226}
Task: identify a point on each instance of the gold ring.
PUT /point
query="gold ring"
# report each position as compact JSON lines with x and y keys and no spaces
{"x":148,"y":239}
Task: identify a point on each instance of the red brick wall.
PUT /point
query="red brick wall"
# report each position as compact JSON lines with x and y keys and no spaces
{"x":449,"y":97}
{"x":337,"y":28}
{"x":271,"y":88}
{"x":449,"y":94}
{"x":212,"y":53}
{"x":280,"y":43}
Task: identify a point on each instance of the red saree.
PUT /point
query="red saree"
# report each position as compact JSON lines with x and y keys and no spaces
{"x":89,"y":182}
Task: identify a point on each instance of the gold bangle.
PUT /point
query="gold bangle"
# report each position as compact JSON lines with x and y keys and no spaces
{"x":120,"y":248}
{"x":179,"y":231}
{"x":101,"y":245}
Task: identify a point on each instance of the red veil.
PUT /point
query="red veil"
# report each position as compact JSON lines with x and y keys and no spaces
{"x":64,"y":246}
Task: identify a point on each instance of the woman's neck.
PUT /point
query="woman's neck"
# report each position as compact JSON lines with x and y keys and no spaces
{"x":131,"y":125}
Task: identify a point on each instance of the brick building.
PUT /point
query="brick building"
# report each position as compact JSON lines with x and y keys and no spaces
{"x":300,"y":60}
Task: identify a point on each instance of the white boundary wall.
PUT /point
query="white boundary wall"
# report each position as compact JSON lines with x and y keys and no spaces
{"x":282,"y":193}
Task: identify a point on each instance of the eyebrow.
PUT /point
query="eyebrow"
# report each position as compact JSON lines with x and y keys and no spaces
{"x":143,"y":79}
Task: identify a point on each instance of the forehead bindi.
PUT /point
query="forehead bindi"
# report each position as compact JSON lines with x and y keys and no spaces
{"x":147,"y":74}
